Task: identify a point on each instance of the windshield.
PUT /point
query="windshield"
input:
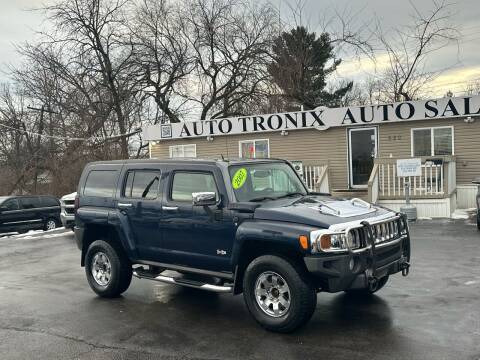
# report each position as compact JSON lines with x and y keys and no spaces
{"x":257,"y":181}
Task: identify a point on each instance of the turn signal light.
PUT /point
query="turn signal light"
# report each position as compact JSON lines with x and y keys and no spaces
{"x":303,"y":239}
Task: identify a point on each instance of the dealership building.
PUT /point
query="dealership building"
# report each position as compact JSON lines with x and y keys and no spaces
{"x":352,"y":151}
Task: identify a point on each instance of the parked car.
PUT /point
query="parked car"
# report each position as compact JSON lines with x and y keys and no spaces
{"x":246,"y":226}
{"x":23,"y":213}
{"x":67,"y":213}
{"x":477,"y":181}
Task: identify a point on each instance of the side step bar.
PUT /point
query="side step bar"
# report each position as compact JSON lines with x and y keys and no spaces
{"x":184,"y":282}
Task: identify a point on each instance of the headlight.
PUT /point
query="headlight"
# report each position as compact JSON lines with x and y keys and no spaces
{"x":329,"y":241}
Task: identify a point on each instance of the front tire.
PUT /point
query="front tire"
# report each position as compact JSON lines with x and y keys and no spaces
{"x":108,"y":270}
{"x":278,"y":293}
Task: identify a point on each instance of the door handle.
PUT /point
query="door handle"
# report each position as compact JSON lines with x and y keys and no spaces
{"x":124,"y":205}
{"x":170,"y":208}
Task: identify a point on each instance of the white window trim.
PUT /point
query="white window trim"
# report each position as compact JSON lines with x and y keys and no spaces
{"x":432,"y":142}
{"x":254,"y":151}
{"x":182,"y":146}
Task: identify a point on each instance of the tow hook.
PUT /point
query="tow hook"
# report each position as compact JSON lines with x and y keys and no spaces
{"x":371,"y":278}
{"x":405,"y":266}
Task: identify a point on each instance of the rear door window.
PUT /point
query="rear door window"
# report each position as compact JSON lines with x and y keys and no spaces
{"x":186,"y":183}
{"x":100,"y":183}
{"x":142,"y":184}
{"x":30,"y":202}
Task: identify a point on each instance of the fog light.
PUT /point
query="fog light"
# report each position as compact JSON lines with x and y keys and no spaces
{"x":351,"y":264}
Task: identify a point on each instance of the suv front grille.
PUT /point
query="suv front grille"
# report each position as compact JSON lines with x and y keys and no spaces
{"x":383,"y":232}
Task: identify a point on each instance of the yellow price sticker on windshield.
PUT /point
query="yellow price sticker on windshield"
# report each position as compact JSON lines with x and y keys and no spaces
{"x":239,"y":178}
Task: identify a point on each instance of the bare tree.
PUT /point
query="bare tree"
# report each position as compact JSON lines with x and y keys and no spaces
{"x":409,"y":48}
{"x":230,"y":41}
{"x":161,"y":54}
{"x":92,"y":34}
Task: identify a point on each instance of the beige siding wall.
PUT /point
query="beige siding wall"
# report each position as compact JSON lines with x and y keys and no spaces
{"x":395,"y":139}
{"x":330,"y":146}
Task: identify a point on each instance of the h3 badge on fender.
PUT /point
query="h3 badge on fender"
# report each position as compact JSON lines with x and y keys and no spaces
{"x":221,"y":252}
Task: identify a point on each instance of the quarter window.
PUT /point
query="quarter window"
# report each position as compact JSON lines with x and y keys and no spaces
{"x":183,"y":151}
{"x":254,"y":149}
{"x":142,"y":184}
{"x":50,"y":202}
{"x":100,"y":183}
{"x":432,"y":141}
{"x":185,"y":183}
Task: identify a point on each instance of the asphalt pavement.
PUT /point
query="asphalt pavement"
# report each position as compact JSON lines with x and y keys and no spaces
{"x":47,"y":310}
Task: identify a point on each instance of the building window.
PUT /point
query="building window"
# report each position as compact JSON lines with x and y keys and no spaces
{"x":183,"y":151}
{"x":435,"y":141}
{"x":254,"y":149}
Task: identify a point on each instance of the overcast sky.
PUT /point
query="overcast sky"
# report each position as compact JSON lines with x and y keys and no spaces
{"x":18,"y":24}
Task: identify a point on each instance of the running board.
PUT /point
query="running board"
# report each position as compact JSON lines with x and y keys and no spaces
{"x":185,"y":282}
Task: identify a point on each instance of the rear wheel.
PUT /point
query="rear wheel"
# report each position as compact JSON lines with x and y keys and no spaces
{"x":108,"y":270}
{"x":478,"y":220}
{"x":50,"y":224}
{"x":371,"y":289}
{"x":278,"y":293}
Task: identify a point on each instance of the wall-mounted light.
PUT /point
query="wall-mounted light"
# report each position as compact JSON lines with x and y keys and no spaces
{"x":469,"y":120}
{"x":284,"y":133}
{"x":209,"y":138}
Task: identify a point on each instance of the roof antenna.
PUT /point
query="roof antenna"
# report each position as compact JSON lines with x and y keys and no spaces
{"x":222,"y":157}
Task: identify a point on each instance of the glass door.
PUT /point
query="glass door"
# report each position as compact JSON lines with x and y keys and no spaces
{"x":362,"y":151}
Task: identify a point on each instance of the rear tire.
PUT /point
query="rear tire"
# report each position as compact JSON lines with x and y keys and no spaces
{"x":278,"y":293}
{"x":50,"y":224}
{"x":478,"y":220}
{"x":369,"y":290}
{"x":108,"y":270}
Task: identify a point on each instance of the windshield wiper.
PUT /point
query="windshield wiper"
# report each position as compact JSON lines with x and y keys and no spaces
{"x":262,"y":198}
{"x":291,"y":194}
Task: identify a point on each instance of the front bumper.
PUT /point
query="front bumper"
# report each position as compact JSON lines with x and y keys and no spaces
{"x":335,"y":272}
{"x":68,"y":221}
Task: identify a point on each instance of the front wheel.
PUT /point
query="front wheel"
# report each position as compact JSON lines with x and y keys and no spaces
{"x":108,"y":270}
{"x":278,"y":293}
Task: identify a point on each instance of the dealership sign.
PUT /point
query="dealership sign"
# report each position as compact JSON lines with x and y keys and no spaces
{"x":320,"y":118}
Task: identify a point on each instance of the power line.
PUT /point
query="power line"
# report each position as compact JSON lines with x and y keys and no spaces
{"x":93,"y":138}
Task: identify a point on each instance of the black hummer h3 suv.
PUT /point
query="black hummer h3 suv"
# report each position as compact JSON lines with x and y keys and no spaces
{"x":246,"y":226}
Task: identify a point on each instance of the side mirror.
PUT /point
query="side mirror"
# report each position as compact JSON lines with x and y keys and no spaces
{"x":204,"y":198}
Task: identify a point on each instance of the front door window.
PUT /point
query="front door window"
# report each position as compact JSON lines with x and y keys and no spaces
{"x":362,"y":152}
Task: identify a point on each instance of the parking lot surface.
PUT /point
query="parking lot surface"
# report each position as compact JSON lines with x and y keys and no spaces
{"x":47,"y":310}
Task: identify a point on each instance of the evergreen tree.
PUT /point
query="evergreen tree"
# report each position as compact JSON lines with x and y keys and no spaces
{"x":301,"y":65}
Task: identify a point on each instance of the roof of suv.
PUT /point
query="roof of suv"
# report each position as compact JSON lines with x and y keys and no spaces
{"x":230,"y":161}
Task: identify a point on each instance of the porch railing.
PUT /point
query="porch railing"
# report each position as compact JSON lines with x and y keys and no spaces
{"x":437,"y":179}
{"x":316,"y":178}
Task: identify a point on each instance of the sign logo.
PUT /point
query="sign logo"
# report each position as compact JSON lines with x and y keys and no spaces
{"x":166,"y":131}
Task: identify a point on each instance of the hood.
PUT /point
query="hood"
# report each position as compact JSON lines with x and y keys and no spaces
{"x":69,"y":196}
{"x":318,"y":211}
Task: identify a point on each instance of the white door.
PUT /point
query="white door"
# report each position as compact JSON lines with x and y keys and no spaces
{"x":362,"y":150}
